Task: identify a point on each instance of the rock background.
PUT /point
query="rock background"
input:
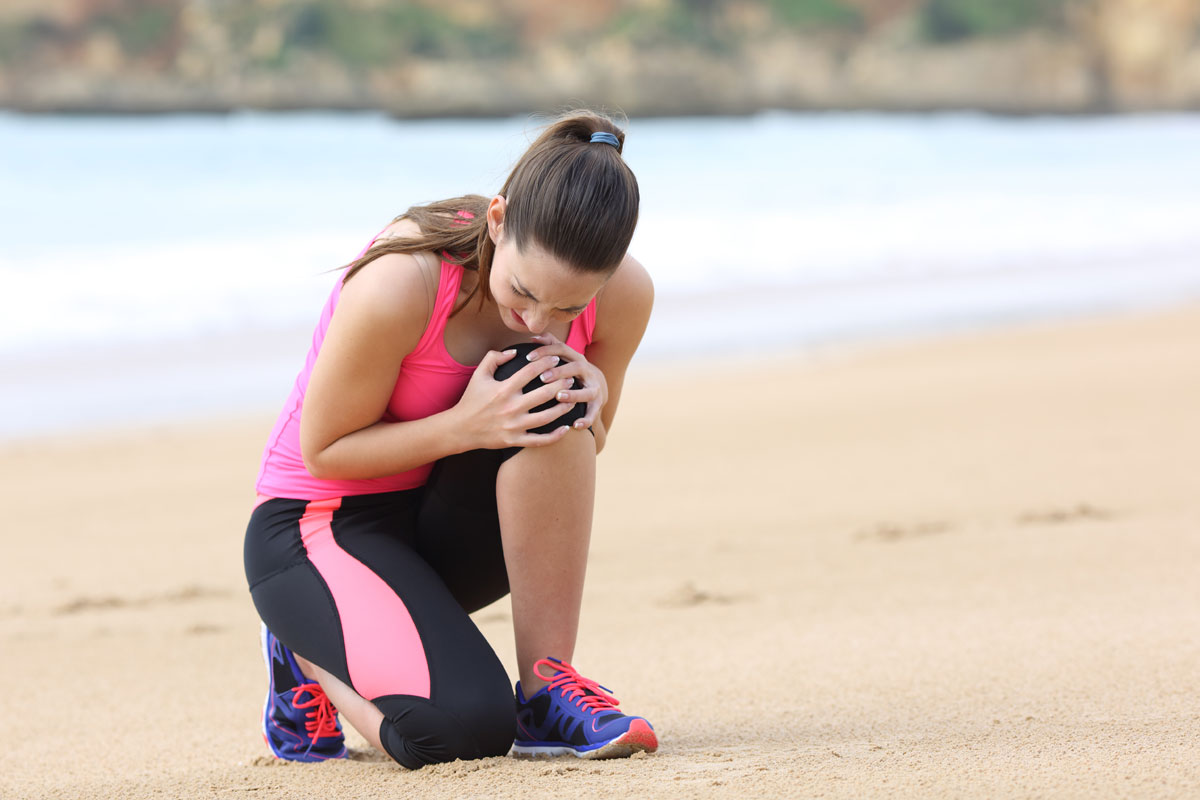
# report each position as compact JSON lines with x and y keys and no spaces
{"x":642,"y":57}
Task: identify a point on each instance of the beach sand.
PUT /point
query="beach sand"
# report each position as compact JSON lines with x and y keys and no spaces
{"x":963,"y":567}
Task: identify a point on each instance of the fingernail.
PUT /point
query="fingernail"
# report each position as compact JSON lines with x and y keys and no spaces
{"x":508,"y":352}
{"x":580,"y":424}
{"x":563,"y":397}
{"x":546,"y":376}
{"x":532,"y":356}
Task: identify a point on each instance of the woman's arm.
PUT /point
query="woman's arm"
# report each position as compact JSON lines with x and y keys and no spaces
{"x":380,"y":317}
{"x":623,"y":311}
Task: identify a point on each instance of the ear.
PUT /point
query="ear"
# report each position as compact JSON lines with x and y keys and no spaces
{"x":495,"y":218}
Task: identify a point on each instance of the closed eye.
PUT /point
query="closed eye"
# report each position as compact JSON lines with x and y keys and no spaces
{"x":572,"y":311}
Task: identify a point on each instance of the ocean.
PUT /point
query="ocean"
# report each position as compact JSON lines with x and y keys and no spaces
{"x":168,"y":268}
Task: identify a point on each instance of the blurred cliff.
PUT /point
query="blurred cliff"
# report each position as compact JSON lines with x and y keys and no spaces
{"x":484,"y":57}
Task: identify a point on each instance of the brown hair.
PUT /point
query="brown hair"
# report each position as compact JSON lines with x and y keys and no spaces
{"x":576,"y":199}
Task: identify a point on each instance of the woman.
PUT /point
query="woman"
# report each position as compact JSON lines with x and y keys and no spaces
{"x":404,"y":485}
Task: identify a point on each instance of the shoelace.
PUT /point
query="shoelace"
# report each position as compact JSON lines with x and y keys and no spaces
{"x":322,"y":721}
{"x":584,"y":692}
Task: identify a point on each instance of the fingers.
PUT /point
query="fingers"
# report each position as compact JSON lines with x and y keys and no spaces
{"x":586,"y":421}
{"x":569,"y":395}
{"x":540,"y":418}
{"x":569,"y":369}
{"x":544,"y":394}
{"x":534,"y":368}
{"x":542,"y":439}
{"x":564,"y":385}
{"x":493,"y":359}
{"x":584,"y":374}
{"x":592,"y":389}
{"x":552,"y":346}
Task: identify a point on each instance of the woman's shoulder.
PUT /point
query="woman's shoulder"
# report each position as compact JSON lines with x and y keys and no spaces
{"x":630,"y":291}
{"x":396,"y":291}
{"x":623,"y":305}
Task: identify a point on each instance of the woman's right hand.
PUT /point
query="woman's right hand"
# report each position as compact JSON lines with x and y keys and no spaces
{"x":495,"y":414}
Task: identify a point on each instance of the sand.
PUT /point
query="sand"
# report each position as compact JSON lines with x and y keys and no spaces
{"x":953,"y":568}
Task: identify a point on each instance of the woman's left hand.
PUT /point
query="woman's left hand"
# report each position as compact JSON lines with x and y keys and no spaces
{"x":595,"y":387}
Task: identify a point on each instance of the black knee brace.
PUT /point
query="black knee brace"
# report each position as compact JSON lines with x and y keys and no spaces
{"x":510,"y":367}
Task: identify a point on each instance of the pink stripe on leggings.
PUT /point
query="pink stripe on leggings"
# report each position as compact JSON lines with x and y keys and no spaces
{"x":383,"y":649}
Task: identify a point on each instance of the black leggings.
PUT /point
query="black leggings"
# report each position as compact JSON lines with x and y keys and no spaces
{"x":376,"y":589}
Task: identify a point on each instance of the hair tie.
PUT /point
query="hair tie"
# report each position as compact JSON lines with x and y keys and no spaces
{"x":606,"y":138}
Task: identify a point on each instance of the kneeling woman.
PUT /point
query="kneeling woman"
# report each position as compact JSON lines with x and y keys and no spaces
{"x":406,"y":485}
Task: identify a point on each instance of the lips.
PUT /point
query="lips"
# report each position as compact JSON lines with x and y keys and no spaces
{"x":518,"y":318}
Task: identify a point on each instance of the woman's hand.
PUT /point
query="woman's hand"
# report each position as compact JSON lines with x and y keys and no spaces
{"x":495,"y":414}
{"x":595,"y":386}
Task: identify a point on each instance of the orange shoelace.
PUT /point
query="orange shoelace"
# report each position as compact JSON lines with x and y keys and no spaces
{"x":322,"y":721}
{"x":584,"y":692}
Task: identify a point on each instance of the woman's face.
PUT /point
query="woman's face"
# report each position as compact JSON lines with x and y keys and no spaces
{"x":533,"y":290}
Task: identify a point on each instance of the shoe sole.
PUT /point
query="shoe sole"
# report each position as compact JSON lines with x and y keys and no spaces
{"x":640,"y":738}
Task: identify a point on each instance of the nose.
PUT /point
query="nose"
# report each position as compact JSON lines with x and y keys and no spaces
{"x":536,"y":321}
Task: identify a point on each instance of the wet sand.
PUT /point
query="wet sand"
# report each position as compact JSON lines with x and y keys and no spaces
{"x":960,"y":567}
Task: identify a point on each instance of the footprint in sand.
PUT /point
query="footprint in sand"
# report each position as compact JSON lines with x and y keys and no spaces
{"x":270,"y":761}
{"x":81,"y":604}
{"x":686,"y":595}
{"x":891,"y":532}
{"x":1058,"y":516}
{"x":187,"y":594}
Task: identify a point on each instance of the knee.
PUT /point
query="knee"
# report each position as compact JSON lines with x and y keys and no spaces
{"x":416,"y":732}
{"x":575,"y":450}
{"x":511,"y":367}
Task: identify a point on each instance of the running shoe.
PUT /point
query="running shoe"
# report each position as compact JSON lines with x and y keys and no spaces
{"x":576,"y":716}
{"x":299,"y":722}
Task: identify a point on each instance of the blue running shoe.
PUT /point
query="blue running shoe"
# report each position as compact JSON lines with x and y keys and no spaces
{"x":299,"y":722}
{"x":576,"y":716}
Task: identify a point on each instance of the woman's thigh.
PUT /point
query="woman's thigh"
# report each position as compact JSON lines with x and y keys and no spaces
{"x":458,"y":529}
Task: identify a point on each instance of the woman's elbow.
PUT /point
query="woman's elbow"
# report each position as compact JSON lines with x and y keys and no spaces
{"x":315,"y":462}
{"x":314,"y":469}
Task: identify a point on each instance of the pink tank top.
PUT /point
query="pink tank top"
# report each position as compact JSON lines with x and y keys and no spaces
{"x":430,"y":381}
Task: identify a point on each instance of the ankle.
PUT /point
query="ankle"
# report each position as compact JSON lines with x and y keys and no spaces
{"x":531,"y":684}
{"x":531,"y":679}
{"x":307,"y":668}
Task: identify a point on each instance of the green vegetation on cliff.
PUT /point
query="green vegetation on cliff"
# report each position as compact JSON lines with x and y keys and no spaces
{"x":366,"y":34}
{"x":955,"y":20}
{"x":362,"y":37}
{"x":817,"y":14}
{"x":645,"y":56}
